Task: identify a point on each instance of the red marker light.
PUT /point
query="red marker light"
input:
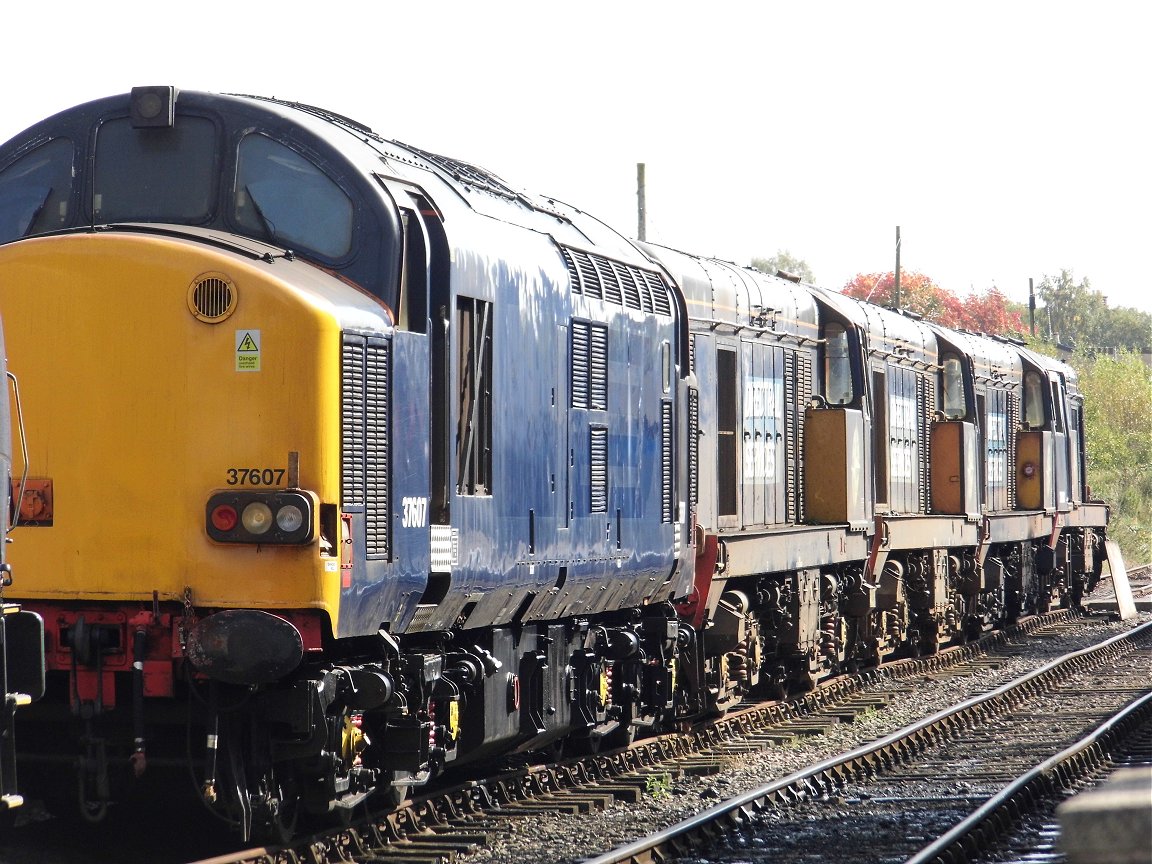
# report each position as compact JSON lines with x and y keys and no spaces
{"x":224,"y":517}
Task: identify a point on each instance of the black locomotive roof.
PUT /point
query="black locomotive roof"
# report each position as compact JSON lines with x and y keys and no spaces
{"x":287,"y":173}
{"x":324,"y":133}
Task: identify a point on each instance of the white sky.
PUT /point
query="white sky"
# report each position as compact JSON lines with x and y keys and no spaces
{"x":1007,"y":139}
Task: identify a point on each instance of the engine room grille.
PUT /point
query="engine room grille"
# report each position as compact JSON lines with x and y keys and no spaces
{"x":616,"y":283}
{"x":364,"y":440}
{"x":589,"y":366}
{"x":598,"y":469}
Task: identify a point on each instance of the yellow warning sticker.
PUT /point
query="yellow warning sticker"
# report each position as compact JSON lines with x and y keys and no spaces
{"x":247,"y":350}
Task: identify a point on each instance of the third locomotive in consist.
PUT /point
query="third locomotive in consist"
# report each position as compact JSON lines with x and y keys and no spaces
{"x":350,"y":464}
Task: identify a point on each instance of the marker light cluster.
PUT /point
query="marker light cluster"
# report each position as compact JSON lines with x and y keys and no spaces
{"x":260,"y":517}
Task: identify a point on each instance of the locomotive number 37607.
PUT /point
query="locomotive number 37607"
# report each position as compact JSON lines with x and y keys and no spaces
{"x":255,"y":476}
{"x":415,"y":512}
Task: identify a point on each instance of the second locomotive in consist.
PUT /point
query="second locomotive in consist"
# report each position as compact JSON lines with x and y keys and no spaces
{"x":363,"y":464}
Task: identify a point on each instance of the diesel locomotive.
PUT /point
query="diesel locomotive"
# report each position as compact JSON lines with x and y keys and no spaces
{"x":351,"y":463}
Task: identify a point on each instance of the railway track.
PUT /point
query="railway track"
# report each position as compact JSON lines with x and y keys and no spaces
{"x":941,"y":789}
{"x":1019,"y":823}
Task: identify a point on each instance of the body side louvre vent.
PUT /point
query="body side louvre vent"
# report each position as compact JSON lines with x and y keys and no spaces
{"x":598,"y":469}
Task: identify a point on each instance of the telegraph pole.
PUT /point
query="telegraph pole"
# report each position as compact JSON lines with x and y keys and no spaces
{"x":896,"y":282}
{"x":1031,"y":307}
{"x":640,"y":201}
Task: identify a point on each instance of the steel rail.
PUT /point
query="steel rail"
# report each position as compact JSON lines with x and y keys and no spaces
{"x":861,"y":761}
{"x":978,"y":830}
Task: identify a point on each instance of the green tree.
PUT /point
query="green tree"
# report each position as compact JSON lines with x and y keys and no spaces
{"x":1077,"y":315}
{"x":1071,"y":312}
{"x":785,"y":262}
{"x":1118,"y":435}
{"x":1129,"y":329}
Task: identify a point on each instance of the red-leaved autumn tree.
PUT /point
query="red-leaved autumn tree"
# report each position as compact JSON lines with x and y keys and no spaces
{"x":985,"y":312}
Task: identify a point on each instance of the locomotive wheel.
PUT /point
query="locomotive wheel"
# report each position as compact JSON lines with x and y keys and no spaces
{"x":388,"y":795}
{"x":279,"y":811}
{"x":282,"y":825}
{"x":929,"y":643}
{"x":587,"y":743}
{"x":776,"y":687}
{"x":581,"y":743}
{"x":973,"y":630}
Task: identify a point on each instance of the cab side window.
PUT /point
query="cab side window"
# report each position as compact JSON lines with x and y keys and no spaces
{"x":35,"y":191}
{"x":955,"y":405}
{"x":837,"y":365}
{"x":1033,"y":399}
